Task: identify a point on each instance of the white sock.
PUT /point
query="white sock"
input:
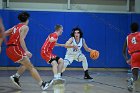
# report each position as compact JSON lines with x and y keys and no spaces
{"x":59,"y":75}
{"x":55,"y":75}
{"x":17,"y":75}
{"x":40,"y":83}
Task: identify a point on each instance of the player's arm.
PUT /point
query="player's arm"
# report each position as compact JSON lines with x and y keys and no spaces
{"x":125,"y":52}
{"x":64,"y":45}
{"x":68,"y":44}
{"x":8,"y":32}
{"x":23,"y":32}
{"x":61,"y":45}
{"x":86,"y":47}
{"x":4,"y":34}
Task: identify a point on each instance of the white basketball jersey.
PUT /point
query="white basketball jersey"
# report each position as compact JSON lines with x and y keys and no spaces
{"x":73,"y":51}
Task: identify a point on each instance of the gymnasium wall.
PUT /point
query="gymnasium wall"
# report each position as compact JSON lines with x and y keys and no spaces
{"x":105,"y":32}
{"x":88,"y":5}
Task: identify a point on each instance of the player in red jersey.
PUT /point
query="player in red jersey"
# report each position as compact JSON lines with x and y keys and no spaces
{"x":132,"y":42}
{"x":47,"y":49}
{"x":17,"y":51}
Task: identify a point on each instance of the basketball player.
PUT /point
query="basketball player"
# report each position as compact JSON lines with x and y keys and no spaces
{"x":132,"y":42}
{"x":17,"y":51}
{"x":76,"y":54}
{"x":46,"y":52}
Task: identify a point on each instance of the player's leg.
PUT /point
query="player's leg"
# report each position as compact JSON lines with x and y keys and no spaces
{"x":130,"y":84}
{"x":135,"y":72}
{"x":26,"y":62}
{"x":83,"y":59}
{"x":67,"y":61}
{"x":16,"y":76}
{"x":54,"y":68}
{"x":135,"y":65}
{"x":60,"y":66}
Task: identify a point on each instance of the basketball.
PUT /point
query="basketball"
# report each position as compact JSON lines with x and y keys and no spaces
{"x":94,"y":54}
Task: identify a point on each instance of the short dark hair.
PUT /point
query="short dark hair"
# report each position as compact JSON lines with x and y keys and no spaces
{"x":134,"y":27}
{"x":80,"y":31}
{"x":58,"y":26}
{"x":23,"y":16}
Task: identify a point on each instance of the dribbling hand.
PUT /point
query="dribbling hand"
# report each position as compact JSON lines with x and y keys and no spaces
{"x":29,"y":54}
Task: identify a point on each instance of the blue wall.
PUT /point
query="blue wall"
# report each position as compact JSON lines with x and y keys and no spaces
{"x":105,"y":32}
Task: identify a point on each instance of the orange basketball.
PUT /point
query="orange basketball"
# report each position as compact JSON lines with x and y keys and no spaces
{"x":94,"y":54}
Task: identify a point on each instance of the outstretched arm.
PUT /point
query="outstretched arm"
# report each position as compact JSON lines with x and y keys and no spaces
{"x":67,"y":44}
{"x":8,"y":32}
{"x":61,"y":45}
{"x":64,"y":45}
{"x":86,"y":47}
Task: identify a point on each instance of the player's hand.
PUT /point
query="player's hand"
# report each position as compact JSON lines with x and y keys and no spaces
{"x":128,"y":61}
{"x":29,"y":54}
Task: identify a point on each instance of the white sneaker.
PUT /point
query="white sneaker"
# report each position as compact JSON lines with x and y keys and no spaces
{"x":58,"y":81}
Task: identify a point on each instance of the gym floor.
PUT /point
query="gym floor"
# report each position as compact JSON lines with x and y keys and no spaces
{"x":103,"y":82}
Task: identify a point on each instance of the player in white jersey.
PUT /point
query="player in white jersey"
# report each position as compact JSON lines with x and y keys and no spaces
{"x":76,"y":53}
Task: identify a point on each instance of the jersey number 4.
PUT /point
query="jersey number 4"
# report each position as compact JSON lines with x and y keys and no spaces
{"x":133,"y":40}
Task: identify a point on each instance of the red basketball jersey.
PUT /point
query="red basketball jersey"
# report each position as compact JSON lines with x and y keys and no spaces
{"x":133,"y":42}
{"x":48,"y":46}
{"x":15,"y":36}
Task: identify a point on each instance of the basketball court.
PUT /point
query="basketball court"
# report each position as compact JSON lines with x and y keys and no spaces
{"x":105,"y":24}
{"x":105,"y":81}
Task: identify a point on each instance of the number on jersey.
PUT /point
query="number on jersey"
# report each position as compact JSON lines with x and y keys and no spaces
{"x":74,"y":50}
{"x":14,"y":30}
{"x":134,"y":40}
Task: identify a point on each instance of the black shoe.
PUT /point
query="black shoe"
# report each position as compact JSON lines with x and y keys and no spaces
{"x":61,"y":74}
{"x":15,"y":80}
{"x":44,"y":85}
{"x":87,"y":77}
